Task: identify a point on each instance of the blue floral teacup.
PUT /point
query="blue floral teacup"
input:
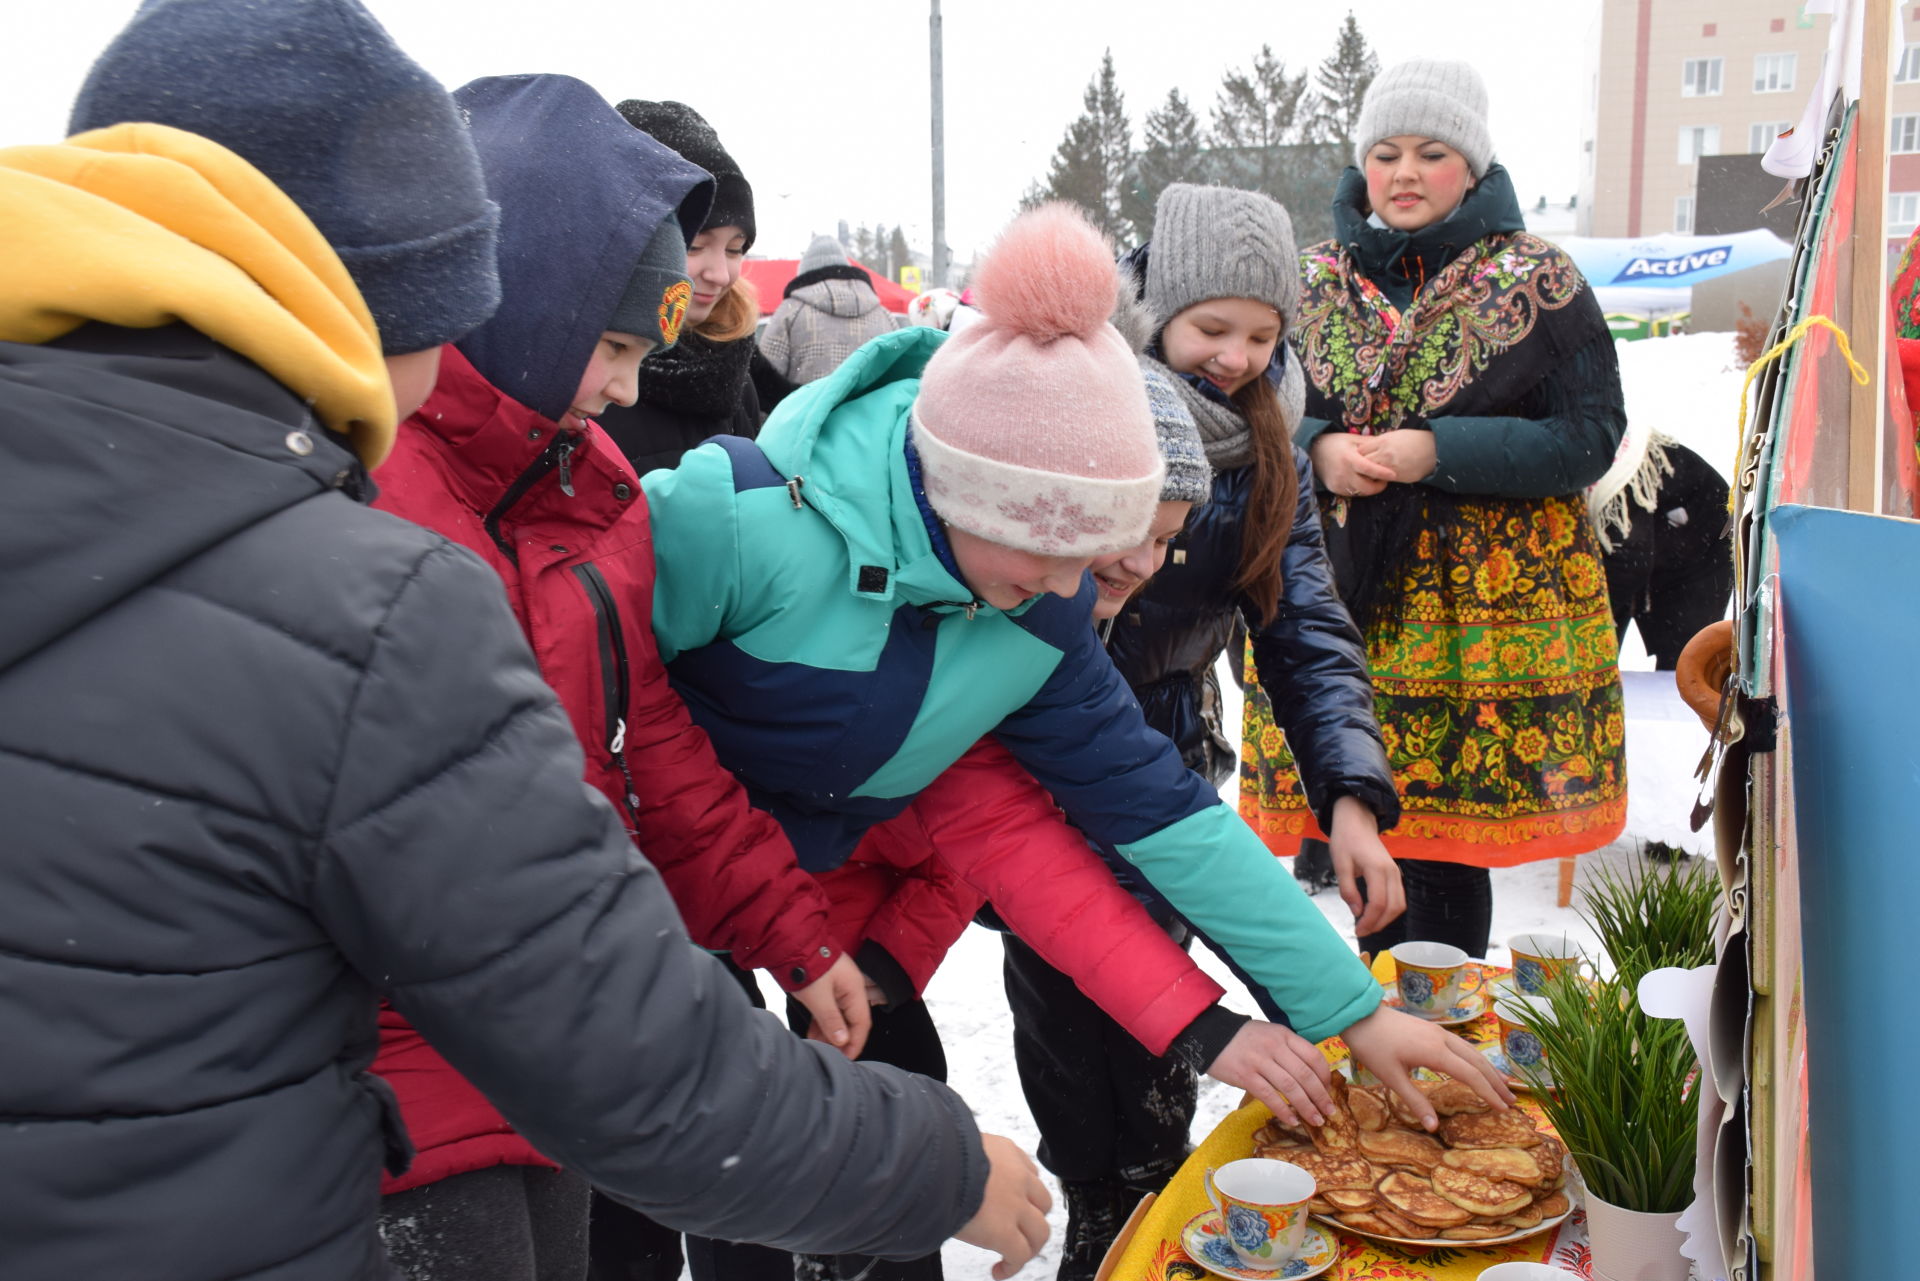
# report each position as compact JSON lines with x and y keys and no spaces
{"x":1538,"y":957}
{"x":1428,"y":976}
{"x":1263,"y":1209}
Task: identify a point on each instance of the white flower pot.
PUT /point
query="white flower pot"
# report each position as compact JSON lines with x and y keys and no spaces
{"x":1631,"y":1246}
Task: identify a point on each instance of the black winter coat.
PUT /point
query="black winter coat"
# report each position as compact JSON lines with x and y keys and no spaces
{"x":266,"y":753}
{"x":1311,"y":661}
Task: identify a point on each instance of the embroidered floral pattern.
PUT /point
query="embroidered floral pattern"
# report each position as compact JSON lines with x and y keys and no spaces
{"x":1383,"y":365}
{"x":1496,"y":685}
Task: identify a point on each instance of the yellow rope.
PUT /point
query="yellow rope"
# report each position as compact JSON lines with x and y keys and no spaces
{"x":1772,"y":354}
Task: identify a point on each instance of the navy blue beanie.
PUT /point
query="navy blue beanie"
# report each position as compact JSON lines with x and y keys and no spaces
{"x":583,"y":197}
{"x":316,"y":95}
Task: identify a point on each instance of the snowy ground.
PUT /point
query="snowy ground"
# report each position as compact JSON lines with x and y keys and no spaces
{"x":1689,"y":388}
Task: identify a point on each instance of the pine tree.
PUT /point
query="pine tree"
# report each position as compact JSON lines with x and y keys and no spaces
{"x":1089,"y":167}
{"x":863,"y":244}
{"x":1343,"y":79}
{"x":879,"y":260}
{"x":1256,"y":114}
{"x":900,"y":253}
{"x":1172,"y":151}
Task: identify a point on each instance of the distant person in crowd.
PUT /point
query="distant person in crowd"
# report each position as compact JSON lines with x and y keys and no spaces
{"x":706,"y":385}
{"x":1661,"y":516}
{"x":269,"y":754}
{"x":1462,"y":390}
{"x":829,"y":309}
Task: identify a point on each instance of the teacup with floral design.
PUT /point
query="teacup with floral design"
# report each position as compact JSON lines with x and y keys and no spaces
{"x":1538,"y":957}
{"x":1428,"y":976}
{"x":1263,"y":1209}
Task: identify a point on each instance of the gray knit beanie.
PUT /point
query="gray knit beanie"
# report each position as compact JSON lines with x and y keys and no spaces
{"x":1218,"y":242}
{"x":316,"y":96}
{"x":1189,"y":474}
{"x":1428,"y":98}
{"x":825,"y":251}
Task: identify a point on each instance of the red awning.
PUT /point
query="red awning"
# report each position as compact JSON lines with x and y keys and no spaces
{"x":770,"y":277}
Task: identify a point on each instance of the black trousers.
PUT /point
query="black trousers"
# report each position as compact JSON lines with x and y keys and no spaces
{"x":628,"y":1246}
{"x":1106,"y":1109}
{"x":503,"y":1223}
{"x":1446,"y":903}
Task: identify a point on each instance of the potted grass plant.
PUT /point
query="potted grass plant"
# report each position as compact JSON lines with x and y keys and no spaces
{"x":1622,"y":1098}
{"x":1654,"y":914}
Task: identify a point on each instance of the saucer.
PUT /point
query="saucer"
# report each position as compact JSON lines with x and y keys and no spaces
{"x":1206,"y":1243}
{"x":1497,"y":1059}
{"x":1465,"y":1013}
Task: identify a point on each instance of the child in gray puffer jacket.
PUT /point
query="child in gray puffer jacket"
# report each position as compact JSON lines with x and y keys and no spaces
{"x":828,"y":310}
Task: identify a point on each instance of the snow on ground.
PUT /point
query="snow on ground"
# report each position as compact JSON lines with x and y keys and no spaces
{"x":1690,"y":387}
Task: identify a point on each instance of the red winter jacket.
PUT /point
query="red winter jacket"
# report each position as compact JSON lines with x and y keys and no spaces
{"x":985,"y":830}
{"x":493,"y":476}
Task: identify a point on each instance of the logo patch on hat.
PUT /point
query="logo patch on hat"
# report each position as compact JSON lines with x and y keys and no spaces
{"x":673,"y":310}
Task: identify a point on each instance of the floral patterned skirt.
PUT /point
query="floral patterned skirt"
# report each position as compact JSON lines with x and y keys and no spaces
{"x":1498,"y":693}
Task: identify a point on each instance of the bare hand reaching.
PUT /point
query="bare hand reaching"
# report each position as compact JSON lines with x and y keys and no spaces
{"x":837,"y":1000}
{"x":1279,"y":1067}
{"x":1356,"y":851}
{"x":1392,"y":1044}
{"x":1012,"y":1219}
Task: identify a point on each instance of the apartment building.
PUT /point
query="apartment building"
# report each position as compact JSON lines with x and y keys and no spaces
{"x":1674,"y":80}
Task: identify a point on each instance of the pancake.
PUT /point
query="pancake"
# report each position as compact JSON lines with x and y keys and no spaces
{"x":1369,"y":1109}
{"x":1414,"y":1198}
{"x":1488,"y":1198}
{"x":1400,"y":1147}
{"x":1348,"y":1200}
{"x":1339,"y":1133}
{"x":1553,"y":1205}
{"x":1475,"y":1232}
{"x":1509,"y":1129}
{"x":1453,"y":1097}
{"x":1514,"y":1165}
{"x":1334,"y":1171}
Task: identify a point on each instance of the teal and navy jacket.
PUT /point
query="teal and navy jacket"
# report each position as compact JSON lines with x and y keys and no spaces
{"x":810,"y":614}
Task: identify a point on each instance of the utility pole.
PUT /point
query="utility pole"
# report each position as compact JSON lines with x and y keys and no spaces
{"x":936,"y":78}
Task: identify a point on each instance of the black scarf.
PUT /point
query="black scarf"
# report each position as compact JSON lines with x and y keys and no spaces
{"x":697,"y":376}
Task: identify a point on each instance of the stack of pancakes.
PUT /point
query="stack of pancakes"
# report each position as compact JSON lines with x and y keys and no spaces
{"x":1486,"y":1174}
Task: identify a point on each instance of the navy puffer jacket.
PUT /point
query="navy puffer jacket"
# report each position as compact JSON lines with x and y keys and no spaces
{"x":1312,"y":663}
{"x":264,"y":753}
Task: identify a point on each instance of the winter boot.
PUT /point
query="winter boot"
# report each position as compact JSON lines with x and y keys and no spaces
{"x":1095,"y":1211}
{"x":1313,"y":866}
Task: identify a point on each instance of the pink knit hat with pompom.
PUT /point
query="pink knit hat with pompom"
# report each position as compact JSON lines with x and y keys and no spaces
{"x":1032,"y":423}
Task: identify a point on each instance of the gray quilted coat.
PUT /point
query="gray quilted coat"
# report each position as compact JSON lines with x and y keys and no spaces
{"x":824,"y":317}
{"x":265,"y":754}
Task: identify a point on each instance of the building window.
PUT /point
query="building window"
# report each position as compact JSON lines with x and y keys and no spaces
{"x":1903,"y":213}
{"x":1700,"y":77}
{"x":1909,"y":69}
{"x":1683,"y":215}
{"x":1761,"y":136}
{"x":1903,"y":135}
{"x":1700,"y":140}
{"x":1773,"y":72}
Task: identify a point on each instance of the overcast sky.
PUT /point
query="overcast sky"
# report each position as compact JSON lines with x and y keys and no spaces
{"x":825,"y":105}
